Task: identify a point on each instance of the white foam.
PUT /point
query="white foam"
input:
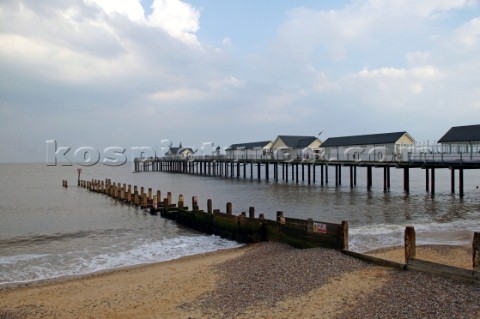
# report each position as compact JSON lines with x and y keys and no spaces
{"x":369,"y":237}
{"x":31,"y":267}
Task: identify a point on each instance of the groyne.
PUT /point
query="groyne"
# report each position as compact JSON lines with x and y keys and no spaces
{"x":248,"y":228}
{"x":300,"y":233}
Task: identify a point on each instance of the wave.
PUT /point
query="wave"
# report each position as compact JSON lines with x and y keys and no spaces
{"x":35,"y":267}
{"x":28,"y":240}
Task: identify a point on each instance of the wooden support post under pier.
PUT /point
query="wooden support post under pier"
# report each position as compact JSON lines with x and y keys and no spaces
{"x":406,"y":179}
{"x":326,"y":174}
{"x":385,"y":189}
{"x":460,"y":182}
{"x":296,"y":173}
{"x":369,"y":177}
{"x":321,"y":175}
{"x":314,"y":173}
{"x":452,"y":180}
{"x":309,"y":172}
{"x":336,"y":175}
{"x":432,"y":186}
{"x":351,"y":176}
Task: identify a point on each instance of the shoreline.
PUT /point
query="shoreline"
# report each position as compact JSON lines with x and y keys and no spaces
{"x":106,"y":272}
{"x":266,"y":280}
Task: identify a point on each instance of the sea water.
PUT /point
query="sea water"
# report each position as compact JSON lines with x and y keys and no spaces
{"x":47,"y":231}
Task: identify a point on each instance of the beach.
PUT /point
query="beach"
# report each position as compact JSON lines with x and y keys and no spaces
{"x":266,"y":280}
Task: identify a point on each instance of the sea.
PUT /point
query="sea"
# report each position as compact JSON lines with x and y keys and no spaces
{"x":48,"y":231}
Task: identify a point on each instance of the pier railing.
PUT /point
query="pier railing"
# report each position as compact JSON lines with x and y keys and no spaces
{"x":404,"y":155}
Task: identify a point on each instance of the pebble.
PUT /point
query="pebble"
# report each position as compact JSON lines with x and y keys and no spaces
{"x":271,"y":272}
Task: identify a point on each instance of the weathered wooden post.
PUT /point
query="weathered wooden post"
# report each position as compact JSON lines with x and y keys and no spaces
{"x":169,"y":197}
{"x":345,"y":235}
{"x":79,"y":171}
{"x":142,"y":193}
{"x":166,"y":205}
{"x":476,"y":251}
{"x":410,"y":243}
{"x":309,"y":226}
{"x":209,"y":206}
{"x":159,"y":198}
{"x":144,"y":201}
{"x":251,"y":212}
{"x":280,"y":217}
{"x":194,"y":203}
{"x":136,"y":200}
{"x":263,"y":229}
{"x":122,"y":193}
{"x":180,"y":201}
{"x":229,"y":208}
{"x":150,"y":194}
{"x":129,"y":194}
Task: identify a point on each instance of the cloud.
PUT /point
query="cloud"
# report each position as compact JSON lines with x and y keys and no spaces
{"x":331,"y":34}
{"x":113,"y":72}
{"x":179,"y":19}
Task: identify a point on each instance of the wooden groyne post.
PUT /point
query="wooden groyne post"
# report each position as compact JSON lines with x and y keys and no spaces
{"x":410,"y":243}
{"x":476,"y":251}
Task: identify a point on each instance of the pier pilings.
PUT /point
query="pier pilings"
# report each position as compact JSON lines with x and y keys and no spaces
{"x":296,"y":171}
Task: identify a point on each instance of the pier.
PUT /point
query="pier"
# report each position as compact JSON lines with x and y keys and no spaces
{"x":299,"y":158}
{"x":314,"y":171}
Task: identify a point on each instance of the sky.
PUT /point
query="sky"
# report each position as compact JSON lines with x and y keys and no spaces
{"x":130,"y":73}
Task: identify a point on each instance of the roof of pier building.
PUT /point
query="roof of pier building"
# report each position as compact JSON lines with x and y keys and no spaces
{"x":179,"y":150}
{"x":295,"y":141}
{"x":248,"y":146}
{"x":370,"y":139}
{"x":456,"y":134}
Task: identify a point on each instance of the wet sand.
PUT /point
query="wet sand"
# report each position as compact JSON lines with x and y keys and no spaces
{"x":265,"y":280}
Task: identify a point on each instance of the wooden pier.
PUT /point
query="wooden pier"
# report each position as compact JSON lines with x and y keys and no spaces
{"x":306,"y":171}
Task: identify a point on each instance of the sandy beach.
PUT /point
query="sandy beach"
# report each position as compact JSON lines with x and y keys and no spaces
{"x":266,"y":280}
